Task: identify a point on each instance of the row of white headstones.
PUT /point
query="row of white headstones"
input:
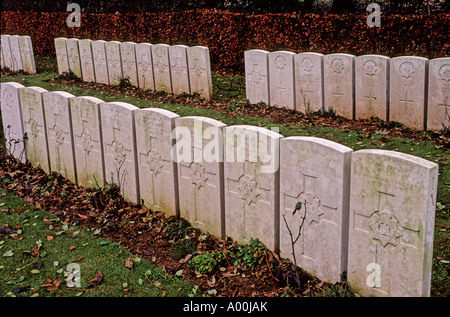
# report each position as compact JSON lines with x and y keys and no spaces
{"x":411,"y":90}
{"x":369,"y":212}
{"x":176,"y":69}
{"x":17,"y":53}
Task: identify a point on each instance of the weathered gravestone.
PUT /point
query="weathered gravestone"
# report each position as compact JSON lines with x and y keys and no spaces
{"x":158,"y":179}
{"x":314,"y":205}
{"x":438,"y":117}
{"x":2,"y":63}
{"x":88,"y":141}
{"x":119,"y":147}
{"x":6,"y":51}
{"x":199,"y":154}
{"x":34,"y":127}
{"x":281,"y":79}
{"x":86,"y":60}
{"x":392,"y":209}
{"x":308,"y":82}
{"x":26,"y":50}
{"x":59,"y":133}
{"x":407,"y":91}
{"x":129,"y":66}
{"x":100,"y":63}
{"x":257,"y":76}
{"x":61,"y":55}
{"x":161,"y":68}
{"x":251,"y":176}
{"x":145,"y":66}
{"x":73,"y":57}
{"x":339,"y":84}
{"x":200,"y":79}
{"x":179,"y":69}
{"x":114,"y":62}
{"x":12,"y":120}
{"x":16,"y":56}
{"x":372,"y":87}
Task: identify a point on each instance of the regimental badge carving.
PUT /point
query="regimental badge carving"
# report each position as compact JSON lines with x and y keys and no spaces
{"x":178,"y":69}
{"x":337,"y":65}
{"x":311,"y":205}
{"x":198,"y":175}
{"x":197,"y":69}
{"x":9,"y":100}
{"x":86,"y":141}
{"x":307,"y":64}
{"x":34,"y":128}
{"x":160,"y":66}
{"x":280,"y":61}
{"x":119,"y":153}
{"x":255,"y":78}
{"x":248,"y":189}
{"x":444,"y":72}
{"x":370,"y":68}
{"x":59,"y":135}
{"x":407,"y":70}
{"x":154,"y":162}
{"x":383,"y":227}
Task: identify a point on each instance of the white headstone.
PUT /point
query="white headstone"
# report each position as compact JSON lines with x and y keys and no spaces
{"x":73,"y":56}
{"x":26,"y":49}
{"x":200,"y":78}
{"x":16,"y":56}
{"x":158,"y":179}
{"x":308,"y":82}
{"x":129,"y":66}
{"x":87,"y":61}
{"x":114,"y":62}
{"x":100,"y":63}
{"x":34,"y":127}
{"x":119,"y":147}
{"x":145,"y":66}
{"x":179,"y":69}
{"x":200,"y":172}
{"x":438,"y":116}
{"x":371,"y":87}
{"x":315,"y":173}
{"x":12,"y":120}
{"x":407,"y":91}
{"x":339,"y":84}
{"x":252,"y":185}
{"x":2,"y":64}
{"x":257,"y":76}
{"x":161,"y":68}
{"x":88,"y":141}
{"x":61,"y":55}
{"x":392,"y":210}
{"x":281,"y":79}
{"x":59,"y":133}
{"x":6,"y":51}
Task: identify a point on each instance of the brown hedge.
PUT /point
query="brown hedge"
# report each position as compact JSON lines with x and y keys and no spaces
{"x":229,"y":34}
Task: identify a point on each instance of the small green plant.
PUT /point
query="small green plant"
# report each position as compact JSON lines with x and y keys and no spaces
{"x":177,"y":229}
{"x":182,"y":248}
{"x":338,"y":290}
{"x":207,"y":263}
{"x":250,"y":254}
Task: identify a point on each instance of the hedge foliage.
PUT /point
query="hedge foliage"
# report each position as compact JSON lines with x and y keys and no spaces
{"x":229,"y":34}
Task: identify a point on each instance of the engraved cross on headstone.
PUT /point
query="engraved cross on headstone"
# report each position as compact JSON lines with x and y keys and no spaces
{"x":313,"y":209}
{"x":198,"y":174}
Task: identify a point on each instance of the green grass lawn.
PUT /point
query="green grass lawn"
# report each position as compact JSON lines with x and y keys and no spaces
{"x":230,"y":89}
{"x":56,"y":245}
